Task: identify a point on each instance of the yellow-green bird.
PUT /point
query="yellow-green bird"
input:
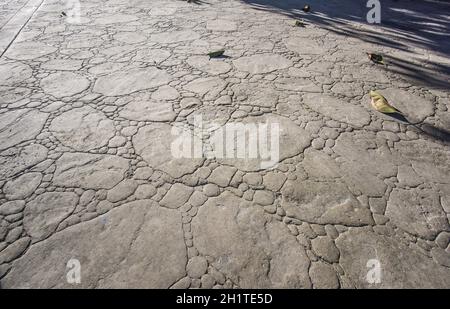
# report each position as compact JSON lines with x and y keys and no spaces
{"x":381,"y":104}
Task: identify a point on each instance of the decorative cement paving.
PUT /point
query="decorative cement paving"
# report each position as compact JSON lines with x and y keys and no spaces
{"x":86,"y":172}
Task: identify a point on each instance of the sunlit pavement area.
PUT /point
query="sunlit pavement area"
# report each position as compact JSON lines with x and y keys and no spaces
{"x":92,"y":195}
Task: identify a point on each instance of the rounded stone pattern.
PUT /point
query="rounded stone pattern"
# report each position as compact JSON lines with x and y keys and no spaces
{"x":83,"y":128}
{"x":64,"y":84}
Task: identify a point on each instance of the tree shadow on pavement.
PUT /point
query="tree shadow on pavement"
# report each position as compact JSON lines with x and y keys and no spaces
{"x":424,"y":128}
{"x":409,"y":26}
{"x":198,"y":2}
{"x":425,"y":73}
{"x":434,"y":132}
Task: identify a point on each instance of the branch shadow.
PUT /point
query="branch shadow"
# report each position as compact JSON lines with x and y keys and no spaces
{"x":426,"y":73}
{"x":220,"y":57}
{"x":434,"y":132}
{"x":424,"y":129}
{"x":197,"y":2}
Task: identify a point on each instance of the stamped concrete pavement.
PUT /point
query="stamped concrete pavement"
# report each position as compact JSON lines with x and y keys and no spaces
{"x":90,"y":99}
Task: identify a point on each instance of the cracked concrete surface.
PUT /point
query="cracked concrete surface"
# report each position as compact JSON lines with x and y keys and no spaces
{"x":86,"y":113}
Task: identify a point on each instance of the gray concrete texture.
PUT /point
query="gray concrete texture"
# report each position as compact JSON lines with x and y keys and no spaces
{"x":86,"y":171}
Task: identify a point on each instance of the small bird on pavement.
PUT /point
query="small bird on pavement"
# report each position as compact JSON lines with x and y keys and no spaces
{"x":376,"y":58}
{"x":306,"y":8}
{"x":380,"y":104}
{"x":216,"y":53}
